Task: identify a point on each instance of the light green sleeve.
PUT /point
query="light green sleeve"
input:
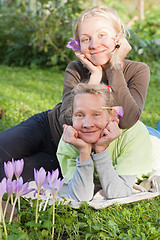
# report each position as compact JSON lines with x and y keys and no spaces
{"x":132,"y":153}
{"x":67,"y":155}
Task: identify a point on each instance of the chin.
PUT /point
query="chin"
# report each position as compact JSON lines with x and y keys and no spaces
{"x":99,"y":62}
{"x":90,"y":141}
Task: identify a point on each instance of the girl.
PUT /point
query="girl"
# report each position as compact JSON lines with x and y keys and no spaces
{"x":101,"y":59}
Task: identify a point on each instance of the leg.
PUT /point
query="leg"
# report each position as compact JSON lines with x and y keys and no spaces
{"x":32,"y":141}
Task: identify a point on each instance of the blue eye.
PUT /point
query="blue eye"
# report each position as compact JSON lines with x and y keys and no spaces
{"x":101,"y":35}
{"x":97,"y":114}
{"x":85,"y":39}
{"x":79,"y":115}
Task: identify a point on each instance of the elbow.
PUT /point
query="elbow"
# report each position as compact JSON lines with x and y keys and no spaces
{"x":81,"y":195}
{"x":118,"y":193}
{"x":128,"y":121}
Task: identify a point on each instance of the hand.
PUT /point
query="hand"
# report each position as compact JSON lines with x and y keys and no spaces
{"x":70,"y":135}
{"x":96,"y":71}
{"x":110,"y":133}
{"x":124,"y":49}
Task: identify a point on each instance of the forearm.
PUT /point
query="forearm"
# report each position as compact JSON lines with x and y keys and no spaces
{"x":129,"y":88}
{"x":113,"y":185}
{"x":81,"y":187}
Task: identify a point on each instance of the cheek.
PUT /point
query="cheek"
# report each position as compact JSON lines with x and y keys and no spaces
{"x":77,"y":124}
{"x":84,"y":48}
{"x":109,"y":43}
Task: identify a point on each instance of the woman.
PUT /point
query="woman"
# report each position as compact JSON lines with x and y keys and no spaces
{"x":103,"y":47}
{"x":119,"y":156}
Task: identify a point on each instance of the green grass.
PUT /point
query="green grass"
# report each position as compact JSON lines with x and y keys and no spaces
{"x":24,"y":92}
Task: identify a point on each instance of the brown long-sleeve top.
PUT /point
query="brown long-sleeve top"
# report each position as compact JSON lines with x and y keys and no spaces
{"x":129,"y":86}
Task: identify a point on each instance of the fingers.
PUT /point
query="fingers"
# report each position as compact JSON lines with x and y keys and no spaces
{"x":124,"y":48}
{"x":69,"y":133}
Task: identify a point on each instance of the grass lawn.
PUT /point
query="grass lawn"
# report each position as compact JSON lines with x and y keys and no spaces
{"x":24,"y":92}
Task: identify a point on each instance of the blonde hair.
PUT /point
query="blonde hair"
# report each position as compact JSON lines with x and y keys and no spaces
{"x":110,"y":15}
{"x":99,"y":89}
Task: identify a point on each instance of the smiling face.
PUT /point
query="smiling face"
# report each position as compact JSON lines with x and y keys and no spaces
{"x":97,"y":39}
{"x":88,"y":117}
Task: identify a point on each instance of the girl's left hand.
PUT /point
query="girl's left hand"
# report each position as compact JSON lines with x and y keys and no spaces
{"x":110,"y":133}
{"x":124,"y":48}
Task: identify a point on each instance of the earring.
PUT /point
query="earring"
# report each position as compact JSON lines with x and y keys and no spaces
{"x":117,"y":46}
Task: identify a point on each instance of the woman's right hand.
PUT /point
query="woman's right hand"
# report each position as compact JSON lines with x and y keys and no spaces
{"x":70,"y":135}
{"x":96,"y":71}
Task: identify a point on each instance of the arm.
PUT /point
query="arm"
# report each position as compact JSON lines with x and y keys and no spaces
{"x":81,"y":186}
{"x":78,"y":175}
{"x":113,"y":185}
{"x":129,"y":86}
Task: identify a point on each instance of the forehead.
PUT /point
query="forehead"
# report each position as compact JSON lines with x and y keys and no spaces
{"x":94,"y":24}
{"x":88,"y":101}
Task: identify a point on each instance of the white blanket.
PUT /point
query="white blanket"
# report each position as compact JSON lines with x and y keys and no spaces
{"x":98,"y":200}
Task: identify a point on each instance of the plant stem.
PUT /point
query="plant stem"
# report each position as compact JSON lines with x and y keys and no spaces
{"x":2,"y":216}
{"x":14,"y":204}
{"x":36,"y":220}
{"x":46,"y":202}
{"x":53,"y":217}
{"x":6,"y":206}
{"x":12,"y":199}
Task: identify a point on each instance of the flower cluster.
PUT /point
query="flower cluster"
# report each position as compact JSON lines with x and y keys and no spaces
{"x":50,"y":182}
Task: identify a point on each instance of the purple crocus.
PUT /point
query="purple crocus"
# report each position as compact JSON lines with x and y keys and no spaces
{"x":52,"y":183}
{"x":18,"y":167}
{"x":73,"y":44}
{"x":119,"y":110}
{"x":22,"y":189}
{"x":9,"y":169}
{"x":39,"y":177}
{"x":10,"y":186}
{"x":2,"y":188}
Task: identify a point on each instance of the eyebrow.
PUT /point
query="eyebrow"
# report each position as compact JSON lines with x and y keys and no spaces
{"x":86,"y":34}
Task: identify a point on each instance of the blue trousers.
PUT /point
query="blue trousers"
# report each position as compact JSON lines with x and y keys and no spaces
{"x":31,"y":140}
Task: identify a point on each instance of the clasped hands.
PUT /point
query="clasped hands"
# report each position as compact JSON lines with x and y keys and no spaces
{"x":107,"y":135}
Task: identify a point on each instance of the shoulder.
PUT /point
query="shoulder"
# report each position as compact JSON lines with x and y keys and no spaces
{"x":134,"y":65}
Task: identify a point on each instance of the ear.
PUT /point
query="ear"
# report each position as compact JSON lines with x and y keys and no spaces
{"x":113,"y":114}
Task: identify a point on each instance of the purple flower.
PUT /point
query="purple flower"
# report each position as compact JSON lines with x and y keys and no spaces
{"x":22,"y":189}
{"x":53,"y":183}
{"x":11,"y":186}
{"x":9,"y":169}
{"x":18,"y":167}
{"x":39,"y":177}
{"x":119,"y":110}
{"x":73,"y":44}
{"x":52,"y":177}
{"x":2,"y":188}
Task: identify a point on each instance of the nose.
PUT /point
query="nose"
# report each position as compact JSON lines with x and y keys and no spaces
{"x":88,"y":122}
{"x":94,"y":42}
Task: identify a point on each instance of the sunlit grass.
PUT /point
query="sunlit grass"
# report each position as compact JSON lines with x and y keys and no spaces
{"x":24,"y":92}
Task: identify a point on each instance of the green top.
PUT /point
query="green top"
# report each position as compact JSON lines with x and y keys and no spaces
{"x":132,"y":153}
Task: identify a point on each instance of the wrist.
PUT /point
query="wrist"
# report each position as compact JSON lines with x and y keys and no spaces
{"x":95,"y":78}
{"x":84,"y":154}
{"x":100,"y":149}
